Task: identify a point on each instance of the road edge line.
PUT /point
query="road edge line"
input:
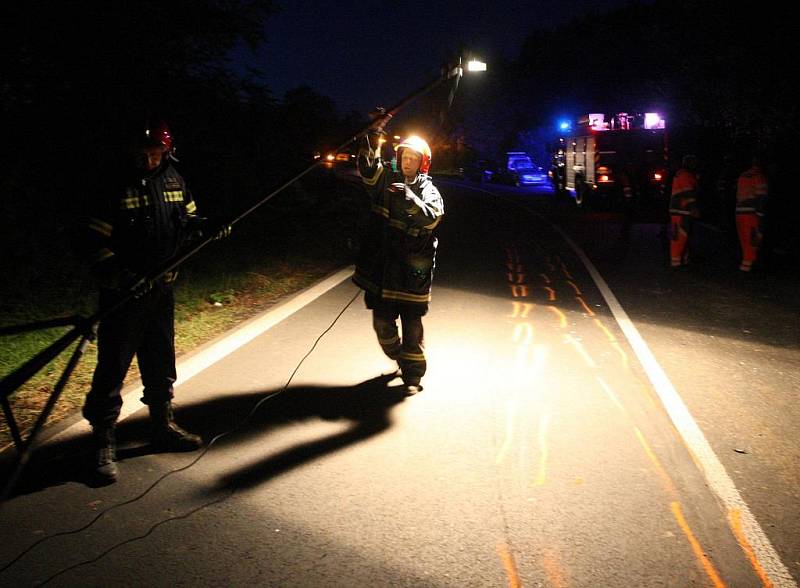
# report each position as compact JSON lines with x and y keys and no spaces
{"x":717,"y":477}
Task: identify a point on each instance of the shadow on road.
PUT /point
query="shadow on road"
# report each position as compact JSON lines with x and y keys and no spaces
{"x":366,"y":405}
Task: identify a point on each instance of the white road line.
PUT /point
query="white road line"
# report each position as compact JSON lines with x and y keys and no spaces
{"x":216,"y":350}
{"x":715,"y":473}
{"x":718,"y":479}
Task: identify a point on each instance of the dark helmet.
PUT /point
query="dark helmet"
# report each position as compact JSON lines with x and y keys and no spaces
{"x":689,"y":161}
{"x":156,"y":133}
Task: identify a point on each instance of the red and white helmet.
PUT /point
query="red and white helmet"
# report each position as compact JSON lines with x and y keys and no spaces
{"x":419,"y":145}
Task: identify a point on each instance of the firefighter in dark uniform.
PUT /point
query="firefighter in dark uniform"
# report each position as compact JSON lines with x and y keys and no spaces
{"x":142,"y":224}
{"x":396,"y":261}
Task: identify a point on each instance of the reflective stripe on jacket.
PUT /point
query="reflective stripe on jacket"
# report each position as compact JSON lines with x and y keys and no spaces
{"x":751,"y":192}
{"x":684,"y":193}
{"x":142,"y":225}
{"x":398,"y":249}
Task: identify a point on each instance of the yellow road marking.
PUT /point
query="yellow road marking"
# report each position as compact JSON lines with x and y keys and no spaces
{"x":735,"y":520}
{"x":579,"y":347}
{"x":696,"y":547}
{"x":554,"y":571}
{"x":509,"y":565}
{"x":562,"y":317}
{"x":610,"y":393}
{"x":665,"y":479}
{"x":523,"y":331}
{"x":585,"y":307}
{"x":521,"y":309}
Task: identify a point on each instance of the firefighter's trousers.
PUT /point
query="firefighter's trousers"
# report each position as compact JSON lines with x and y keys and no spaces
{"x":679,"y":239}
{"x":143,"y":327}
{"x":748,"y":225}
{"x":408,"y":351}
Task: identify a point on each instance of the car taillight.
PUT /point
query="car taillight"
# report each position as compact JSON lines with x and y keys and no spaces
{"x":604,"y":178}
{"x":657,"y":177}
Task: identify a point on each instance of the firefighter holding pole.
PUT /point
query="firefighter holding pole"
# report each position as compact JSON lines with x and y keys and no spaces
{"x":396,"y":261}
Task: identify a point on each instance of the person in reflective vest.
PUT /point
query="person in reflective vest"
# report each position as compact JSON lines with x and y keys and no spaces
{"x":682,"y":210}
{"x":398,"y":250}
{"x":751,"y":193}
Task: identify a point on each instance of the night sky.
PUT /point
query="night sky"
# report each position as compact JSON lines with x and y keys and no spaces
{"x":363,"y":56}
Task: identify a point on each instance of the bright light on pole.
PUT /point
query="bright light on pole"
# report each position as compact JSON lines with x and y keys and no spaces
{"x":475,"y":65}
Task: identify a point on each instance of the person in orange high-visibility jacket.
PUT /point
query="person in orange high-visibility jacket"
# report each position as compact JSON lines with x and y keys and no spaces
{"x":751,"y":193}
{"x":682,"y":209}
{"x":396,"y":260}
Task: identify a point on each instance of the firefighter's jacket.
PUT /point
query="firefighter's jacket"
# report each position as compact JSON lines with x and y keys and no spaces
{"x":751,"y":192}
{"x":684,"y":193}
{"x":140,"y":225}
{"x":398,"y":249}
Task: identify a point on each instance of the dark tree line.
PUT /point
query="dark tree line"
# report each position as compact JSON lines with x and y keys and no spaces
{"x":81,"y":77}
{"x":79,"y":80}
{"x":720,"y":72}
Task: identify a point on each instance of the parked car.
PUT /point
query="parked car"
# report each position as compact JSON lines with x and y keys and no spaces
{"x":520,"y":171}
{"x":480,"y":171}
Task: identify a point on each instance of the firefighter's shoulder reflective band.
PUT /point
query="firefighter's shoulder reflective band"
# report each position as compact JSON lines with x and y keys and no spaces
{"x":173,"y":195}
{"x":374,"y":179}
{"x":102,"y":254}
{"x":100,"y":226}
{"x":132,"y":202}
{"x":432,"y":226}
{"x":378,"y":209}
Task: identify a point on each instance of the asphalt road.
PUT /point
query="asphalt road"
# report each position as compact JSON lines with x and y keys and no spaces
{"x":540,"y":453}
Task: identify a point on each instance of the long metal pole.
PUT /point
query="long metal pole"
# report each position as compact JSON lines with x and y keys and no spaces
{"x":13,"y":381}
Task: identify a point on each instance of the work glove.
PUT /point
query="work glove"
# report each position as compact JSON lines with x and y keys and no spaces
{"x":404,"y":189}
{"x":141,"y":287}
{"x":199,"y":231}
{"x":124,"y":281}
{"x":223,"y":233}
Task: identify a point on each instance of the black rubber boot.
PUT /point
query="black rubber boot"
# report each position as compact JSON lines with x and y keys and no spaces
{"x":105,"y":445}
{"x":166,"y":434}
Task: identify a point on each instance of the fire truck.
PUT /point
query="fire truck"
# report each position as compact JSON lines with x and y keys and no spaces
{"x":612,"y":160}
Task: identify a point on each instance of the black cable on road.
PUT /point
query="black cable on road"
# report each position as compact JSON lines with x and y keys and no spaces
{"x":144,"y":493}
